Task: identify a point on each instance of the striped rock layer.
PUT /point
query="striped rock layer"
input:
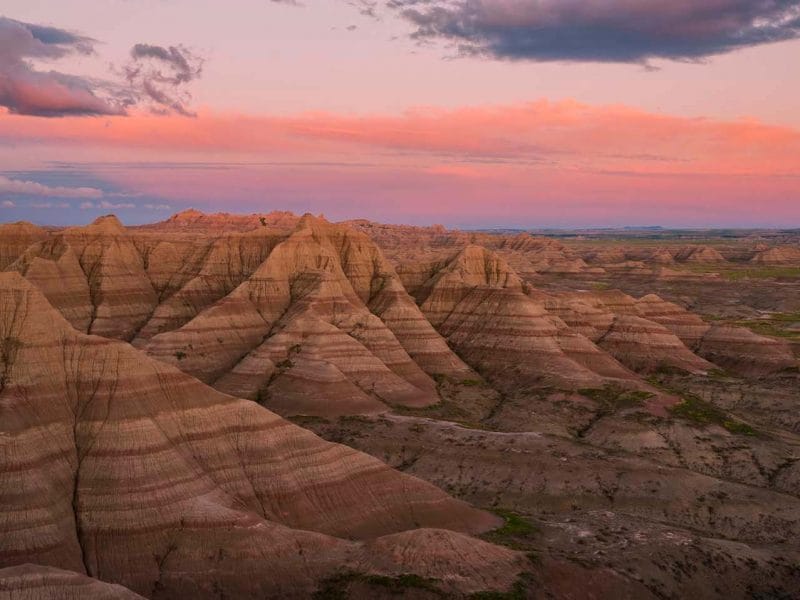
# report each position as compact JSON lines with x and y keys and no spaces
{"x":125,"y":469}
{"x":480,"y":307}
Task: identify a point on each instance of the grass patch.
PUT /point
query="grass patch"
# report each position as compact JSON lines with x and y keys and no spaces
{"x":514,"y":525}
{"x":613,"y":398}
{"x":693,"y":408}
{"x":516,"y":532}
{"x":775,"y":325}
{"x":336,"y":587}
{"x":739,"y":428}
{"x":439,"y":378}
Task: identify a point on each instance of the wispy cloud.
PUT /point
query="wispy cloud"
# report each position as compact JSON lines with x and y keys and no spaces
{"x":48,"y":205}
{"x":159,"y":75}
{"x":32,"y":188}
{"x":8,"y":204}
{"x":600,"y":30}
{"x":106,"y":205}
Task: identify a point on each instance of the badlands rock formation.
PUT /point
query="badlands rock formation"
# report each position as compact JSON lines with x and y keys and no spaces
{"x":407,"y":246}
{"x":302,"y":321}
{"x":640,"y":437}
{"x":699,"y":254}
{"x":639,"y":343}
{"x":734,"y":348}
{"x":192,"y":220}
{"x":480,"y":307}
{"x":34,"y":582}
{"x":17,"y":237}
{"x":127,"y":470}
{"x":780,"y":255}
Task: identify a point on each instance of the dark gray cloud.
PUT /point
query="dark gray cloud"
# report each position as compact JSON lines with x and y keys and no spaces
{"x":25,"y":90}
{"x":368,"y":8}
{"x":156,"y":76}
{"x":159,"y":76}
{"x":601,"y":30}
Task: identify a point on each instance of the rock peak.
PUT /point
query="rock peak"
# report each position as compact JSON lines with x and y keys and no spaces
{"x":106,"y":225}
{"x":190,"y":214}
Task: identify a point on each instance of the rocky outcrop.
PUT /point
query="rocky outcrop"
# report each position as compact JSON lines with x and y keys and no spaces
{"x":479,"y":305}
{"x":302,"y":316}
{"x":661,"y":256}
{"x":646,"y":346}
{"x":135,"y":285}
{"x":699,"y":254}
{"x":614,"y":321}
{"x":192,"y":220}
{"x":688,"y":326}
{"x":650,"y":333}
{"x":730,"y":347}
{"x":742,"y":351}
{"x":122,"y":295}
{"x":128,"y":470}
{"x":192,"y":276}
{"x":779,"y":255}
{"x":15,"y":238}
{"x":54,"y":268}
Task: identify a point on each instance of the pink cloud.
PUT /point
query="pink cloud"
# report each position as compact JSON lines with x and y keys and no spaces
{"x":540,"y":160}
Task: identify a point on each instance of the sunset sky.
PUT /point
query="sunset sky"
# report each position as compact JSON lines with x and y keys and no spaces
{"x":470,"y":113}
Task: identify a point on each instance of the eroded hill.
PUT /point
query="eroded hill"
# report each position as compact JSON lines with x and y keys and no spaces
{"x":626,"y":439}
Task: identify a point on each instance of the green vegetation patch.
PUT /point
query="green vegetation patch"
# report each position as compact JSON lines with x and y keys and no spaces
{"x":693,"y":408}
{"x":516,"y":532}
{"x":515,"y":525}
{"x":739,"y":428}
{"x":775,"y":325}
{"x":613,"y":398}
{"x":336,"y":587}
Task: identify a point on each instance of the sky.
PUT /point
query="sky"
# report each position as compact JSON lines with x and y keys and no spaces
{"x":469,"y":113}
